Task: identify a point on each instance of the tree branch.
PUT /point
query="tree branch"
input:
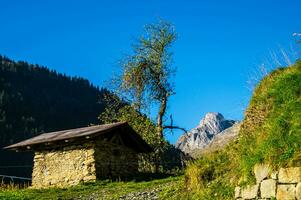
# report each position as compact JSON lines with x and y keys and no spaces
{"x":171,"y":126}
{"x":175,"y":127}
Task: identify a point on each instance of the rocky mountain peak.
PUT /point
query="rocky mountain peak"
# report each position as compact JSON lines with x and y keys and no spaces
{"x":212,"y":116}
{"x":199,"y":137}
{"x":213,"y":123}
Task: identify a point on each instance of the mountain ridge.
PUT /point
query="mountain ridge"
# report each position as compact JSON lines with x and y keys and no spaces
{"x":200,"y":137}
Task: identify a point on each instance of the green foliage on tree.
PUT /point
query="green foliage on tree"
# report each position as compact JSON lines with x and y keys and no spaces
{"x":140,"y":123}
{"x":146,"y":77}
{"x":145,"y":80}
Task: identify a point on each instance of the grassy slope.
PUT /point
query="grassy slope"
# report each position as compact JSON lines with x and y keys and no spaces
{"x":98,"y":190}
{"x":271,"y":133}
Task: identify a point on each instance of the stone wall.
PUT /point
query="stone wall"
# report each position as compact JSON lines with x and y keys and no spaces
{"x":114,"y":160}
{"x":64,"y":166}
{"x":78,"y":163}
{"x":284,"y":184}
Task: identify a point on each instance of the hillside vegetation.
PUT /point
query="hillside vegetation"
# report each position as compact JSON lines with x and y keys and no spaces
{"x":270,"y":133}
{"x":34,"y":99}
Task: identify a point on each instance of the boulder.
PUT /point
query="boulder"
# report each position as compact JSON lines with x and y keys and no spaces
{"x":268,"y":188}
{"x":289,"y":175}
{"x":286,"y":192}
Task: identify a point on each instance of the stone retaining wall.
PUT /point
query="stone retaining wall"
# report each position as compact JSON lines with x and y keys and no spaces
{"x":284,"y":184}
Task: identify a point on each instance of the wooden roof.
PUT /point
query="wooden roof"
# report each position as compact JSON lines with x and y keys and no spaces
{"x":132,"y":139}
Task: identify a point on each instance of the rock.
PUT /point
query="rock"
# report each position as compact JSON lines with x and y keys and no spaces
{"x":268,"y":188}
{"x":298,"y":191}
{"x":89,"y":178}
{"x":261,"y":172}
{"x":198,"y":138}
{"x":237,"y":192}
{"x":89,"y":162}
{"x":144,"y":195}
{"x":286,"y":192}
{"x":38,"y":156}
{"x":250,"y":192}
{"x":274,"y":175}
{"x":290,"y":175}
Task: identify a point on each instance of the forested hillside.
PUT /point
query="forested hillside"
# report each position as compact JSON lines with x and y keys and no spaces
{"x":34,"y":99}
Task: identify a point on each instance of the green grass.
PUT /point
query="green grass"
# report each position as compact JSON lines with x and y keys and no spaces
{"x":102,"y":190}
{"x":208,"y":177}
{"x":273,"y":135}
{"x":270,"y":133}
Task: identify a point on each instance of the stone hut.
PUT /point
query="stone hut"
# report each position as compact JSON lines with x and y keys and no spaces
{"x":79,"y":155}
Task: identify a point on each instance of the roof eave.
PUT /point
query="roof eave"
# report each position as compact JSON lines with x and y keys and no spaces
{"x":19,"y":145}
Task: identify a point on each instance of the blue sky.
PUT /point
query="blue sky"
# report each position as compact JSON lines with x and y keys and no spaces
{"x":219,"y":48}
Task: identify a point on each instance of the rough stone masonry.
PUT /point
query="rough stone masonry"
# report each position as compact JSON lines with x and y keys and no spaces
{"x":284,"y":184}
{"x":82,"y":163}
{"x":68,"y":166}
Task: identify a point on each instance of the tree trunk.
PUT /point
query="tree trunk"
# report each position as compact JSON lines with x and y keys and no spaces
{"x":160,"y":116}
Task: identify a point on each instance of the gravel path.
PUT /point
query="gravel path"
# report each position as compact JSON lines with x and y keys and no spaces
{"x":148,"y":194}
{"x":143,"y":195}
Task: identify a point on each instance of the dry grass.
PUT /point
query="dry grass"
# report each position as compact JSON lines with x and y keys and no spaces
{"x":13,"y":186}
